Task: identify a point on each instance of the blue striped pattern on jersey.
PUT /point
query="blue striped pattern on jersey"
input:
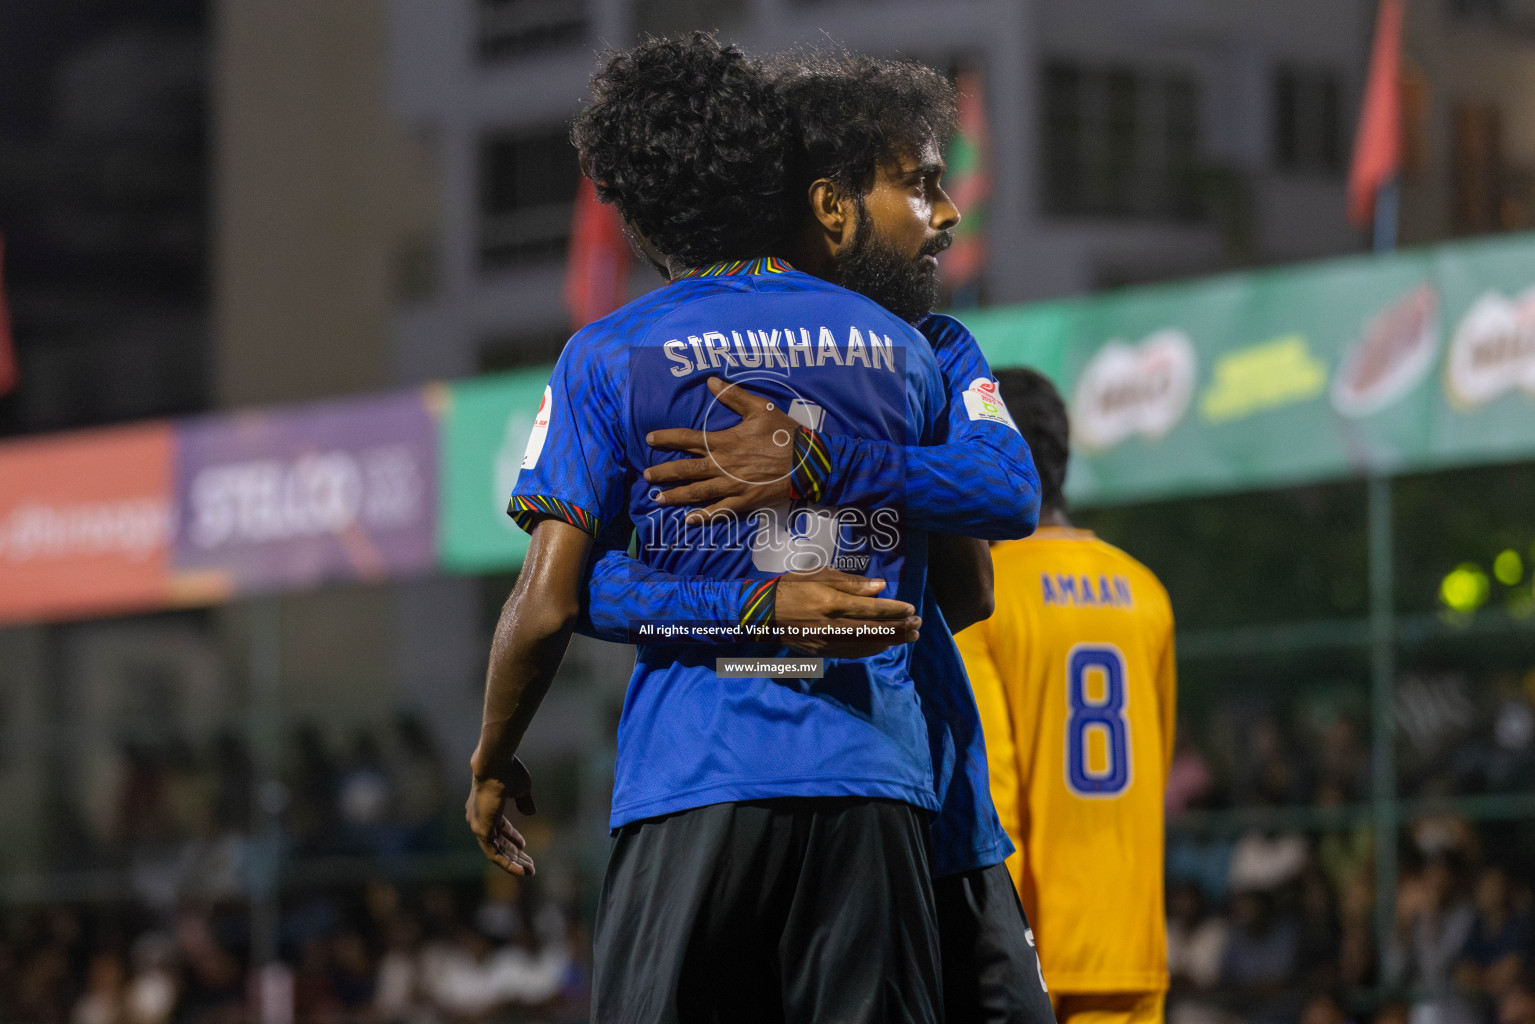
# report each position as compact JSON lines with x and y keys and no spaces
{"x":979,"y":481}
{"x":687,"y":738}
{"x":966,"y":833}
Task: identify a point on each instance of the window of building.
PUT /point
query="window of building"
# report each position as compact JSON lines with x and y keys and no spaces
{"x":670,"y":17}
{"x":527,"y":186}
{"x":1120,"y":142}
{"x":1477,"y":165}
{"x":509,"y":27}
{"x":1515,"y":14}
{"x":1476,"y":10}
{"x":1307,"y":120}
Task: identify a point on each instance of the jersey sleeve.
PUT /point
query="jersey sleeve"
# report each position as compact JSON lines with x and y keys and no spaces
{"x":623,"y":593}
{"x":574,"y":468}
{"x":975,"y":648}
{"x":977,"y":480}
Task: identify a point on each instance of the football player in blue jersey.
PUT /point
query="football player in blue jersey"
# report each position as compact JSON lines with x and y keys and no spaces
{"x":847,"y":109}
{"x":766,"y":864}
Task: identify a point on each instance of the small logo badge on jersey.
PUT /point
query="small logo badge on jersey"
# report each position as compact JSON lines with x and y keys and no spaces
{"x":540,"y":430}
{"x":983,"y":401}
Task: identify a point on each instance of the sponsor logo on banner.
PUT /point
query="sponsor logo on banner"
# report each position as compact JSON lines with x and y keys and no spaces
{"x":312,"y":495}
{"x":540,"y":432}
{"x":86,"y":523}
{"x":983,"y":401}
{"x":1394,"y":353}
{"x":286,"y":498}
{"x":1275,"y":373}
{"x":1493,"y":350}
{"x":41,"y":531}
{"x":1134,"y":389}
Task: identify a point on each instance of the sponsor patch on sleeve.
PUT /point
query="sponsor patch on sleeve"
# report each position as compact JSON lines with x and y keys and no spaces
{"x":540,"y":430}
{"x":983,"y":401}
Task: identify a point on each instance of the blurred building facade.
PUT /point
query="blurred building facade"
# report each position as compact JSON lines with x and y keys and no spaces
{"x":322,"y":198}
{"x":104,"y":193}
{"x":1130,"y":141}
{"x":1469,"y":111}
{"x":105,"y":190}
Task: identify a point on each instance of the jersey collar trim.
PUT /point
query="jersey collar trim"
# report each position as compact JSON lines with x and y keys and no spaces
{"x":762,"y":265}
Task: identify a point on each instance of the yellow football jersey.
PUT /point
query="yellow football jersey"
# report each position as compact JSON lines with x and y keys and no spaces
{"x":1075,"y":680}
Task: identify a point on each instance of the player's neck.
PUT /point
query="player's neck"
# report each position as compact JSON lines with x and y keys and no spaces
{"x":1051,"y":516}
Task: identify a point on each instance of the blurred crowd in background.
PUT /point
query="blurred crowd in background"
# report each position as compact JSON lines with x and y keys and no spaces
{"x":353,"y":953}
{"x":1279,"y":926}
{"x":187,"y":833}
{"x":1272,"y":921}
{"x":1277,"y":922}
{"x":185,"y":811}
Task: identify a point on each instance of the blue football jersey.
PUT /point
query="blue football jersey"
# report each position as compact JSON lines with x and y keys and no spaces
{"x":967,"y":832}
{"x":837,"y":363}
{"x":976,"y":454}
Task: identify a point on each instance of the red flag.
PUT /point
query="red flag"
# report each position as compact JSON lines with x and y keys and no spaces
{"x":598,"y":267}
{"x":969,"y":184}
{"x":1378,"y":145}
{"x":7,"y":343}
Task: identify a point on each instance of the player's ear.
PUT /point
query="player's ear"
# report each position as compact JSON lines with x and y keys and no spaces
{"x":831,"y":208}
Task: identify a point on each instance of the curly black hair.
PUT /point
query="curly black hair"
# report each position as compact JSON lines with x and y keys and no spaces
{"x":854,"y":112}
{"x":690,"y":139}
{"x":1040,"y":414}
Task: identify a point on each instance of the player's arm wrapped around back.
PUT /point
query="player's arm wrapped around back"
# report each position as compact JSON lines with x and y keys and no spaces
{"x":623,"y":594}
{"x":977,"y":480}
{"x":978,"y":486}
{"x":837,"y":614}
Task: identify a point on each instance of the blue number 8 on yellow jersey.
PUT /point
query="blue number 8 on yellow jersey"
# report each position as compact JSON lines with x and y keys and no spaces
{"x":1090,"y":718}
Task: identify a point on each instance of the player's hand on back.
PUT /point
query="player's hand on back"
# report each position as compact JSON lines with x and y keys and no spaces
{"x":736,"y":470}
{"x":829,"y":598}
{"x":486,"y":813}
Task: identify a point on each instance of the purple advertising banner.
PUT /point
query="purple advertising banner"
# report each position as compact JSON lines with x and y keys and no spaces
{"x":289,"y":498}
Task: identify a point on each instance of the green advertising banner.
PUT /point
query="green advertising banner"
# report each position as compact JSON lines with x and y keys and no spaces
{"x":1374,"y":364}
{"x":1370,"y":364}
{"x":485,"y":432}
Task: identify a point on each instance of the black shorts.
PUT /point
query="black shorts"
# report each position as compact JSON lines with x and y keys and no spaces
{"x":807,"y":910}
{"x":991,"y":969}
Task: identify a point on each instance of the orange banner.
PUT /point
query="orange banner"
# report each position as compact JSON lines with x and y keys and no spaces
{"x":85,"y":523}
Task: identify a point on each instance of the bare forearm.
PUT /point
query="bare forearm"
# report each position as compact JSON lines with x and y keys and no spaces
{"x":960,"y":577}
{"x":524,"y":657}
{"x":530,"y":641}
